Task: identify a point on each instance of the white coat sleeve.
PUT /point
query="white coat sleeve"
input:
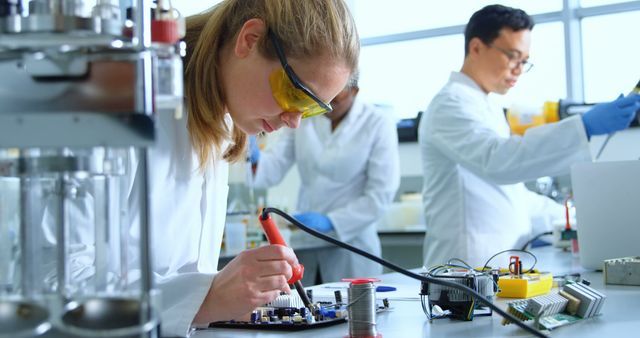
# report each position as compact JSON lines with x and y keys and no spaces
{"x":182,"y":297}
{"x":548,"y":150}
{"x":276,"y":161}
{"x":383,"y":179}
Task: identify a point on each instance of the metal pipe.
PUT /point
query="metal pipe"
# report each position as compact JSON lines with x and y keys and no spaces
{"x":142,"y":24}
{"x":26,"y":278}
{"x":101,"y":232}
{"x":61,"y":236}
{"x":146,"y":267}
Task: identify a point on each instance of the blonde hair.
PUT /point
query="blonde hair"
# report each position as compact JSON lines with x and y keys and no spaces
{"x":306,"y":28}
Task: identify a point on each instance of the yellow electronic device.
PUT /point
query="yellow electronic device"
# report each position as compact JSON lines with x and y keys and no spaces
{"x":523,"y":285}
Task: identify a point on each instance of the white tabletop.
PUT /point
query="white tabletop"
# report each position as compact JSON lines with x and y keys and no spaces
{"x":620,"y":314}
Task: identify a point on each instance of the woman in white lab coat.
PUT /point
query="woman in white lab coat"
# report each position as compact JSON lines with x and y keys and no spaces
{"x":235,"y":84}
{"x":349,"y":170}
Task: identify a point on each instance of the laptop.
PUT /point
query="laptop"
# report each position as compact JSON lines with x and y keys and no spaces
{"x":607,"y":200}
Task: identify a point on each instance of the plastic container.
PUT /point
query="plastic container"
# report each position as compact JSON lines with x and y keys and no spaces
{"x":522,"y":117}
{"x":235,"y":237}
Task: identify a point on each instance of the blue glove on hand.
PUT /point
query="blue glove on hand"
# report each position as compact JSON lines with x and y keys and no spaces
{"x":315,"y":221}
{"x":254,"y":150}
{"x":609,"y":117}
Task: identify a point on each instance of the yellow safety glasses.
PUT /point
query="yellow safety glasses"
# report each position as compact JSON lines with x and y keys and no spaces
{"x":289,"y":92}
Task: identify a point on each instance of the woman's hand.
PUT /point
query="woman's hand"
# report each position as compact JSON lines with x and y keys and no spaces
{"x":254,"y":278}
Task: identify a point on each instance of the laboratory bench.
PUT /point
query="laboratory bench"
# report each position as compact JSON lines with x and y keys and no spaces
{"x":620,"y":314}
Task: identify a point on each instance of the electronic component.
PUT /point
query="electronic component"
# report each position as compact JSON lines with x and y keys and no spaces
{"x":525,"y":285}
{"x":591,"y":301}
{"x":286,"y":301}
{"x":575,"y":302}
{"x":338,"y":296}
{"x":455,"y":303}
{"x":547,"y":305}
{"x":622,"y":271}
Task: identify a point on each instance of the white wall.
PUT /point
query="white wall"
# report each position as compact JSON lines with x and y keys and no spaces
{"x":190,"y":7}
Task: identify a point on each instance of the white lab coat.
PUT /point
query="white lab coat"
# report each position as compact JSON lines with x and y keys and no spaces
{"x":188,"y":213}
{"x":475,"y":204}
{"x":351,"y":175}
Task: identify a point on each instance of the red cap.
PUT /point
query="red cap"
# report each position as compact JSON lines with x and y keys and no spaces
{"x":164,"y":31}
{"x":357,"y":281}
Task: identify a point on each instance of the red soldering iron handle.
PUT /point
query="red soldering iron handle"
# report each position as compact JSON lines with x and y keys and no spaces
{"x":274,"y":237}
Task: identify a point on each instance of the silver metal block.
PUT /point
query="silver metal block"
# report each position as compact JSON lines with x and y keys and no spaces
{"x":622,"y":271}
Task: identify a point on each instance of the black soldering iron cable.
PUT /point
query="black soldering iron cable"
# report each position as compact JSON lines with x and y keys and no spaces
{"x":536,"y":237}
{"x":403,"y":271}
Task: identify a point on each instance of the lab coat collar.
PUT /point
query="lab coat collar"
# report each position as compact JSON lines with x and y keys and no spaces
{"x":323,"y":124}
{"x":356,"y":110}
{"x":459,"y":77}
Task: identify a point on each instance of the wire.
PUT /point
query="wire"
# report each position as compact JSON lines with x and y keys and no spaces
{"x":536,"y":237}
{"x":403,"y":271}
{"x":461,"y":261}
{"x":434,"y":270}
{"x":604,"y":145}
{"x":535,"y":259}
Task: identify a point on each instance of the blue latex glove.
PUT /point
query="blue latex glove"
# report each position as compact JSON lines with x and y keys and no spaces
{"x":316,"y":221}
{"x":254,"y":151}
{"x":609,"y":117}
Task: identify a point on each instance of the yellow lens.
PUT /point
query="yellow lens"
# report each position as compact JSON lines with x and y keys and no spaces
{"x":290,"y":98}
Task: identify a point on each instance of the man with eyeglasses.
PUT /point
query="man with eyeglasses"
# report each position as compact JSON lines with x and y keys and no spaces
{"x":349,"y":171}
{"x":475,"y":201}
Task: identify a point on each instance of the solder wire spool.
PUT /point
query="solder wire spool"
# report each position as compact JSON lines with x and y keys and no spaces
{"x":362,"y":308}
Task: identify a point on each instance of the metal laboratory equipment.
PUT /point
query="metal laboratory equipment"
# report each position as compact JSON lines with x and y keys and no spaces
{"x":80,"y":88}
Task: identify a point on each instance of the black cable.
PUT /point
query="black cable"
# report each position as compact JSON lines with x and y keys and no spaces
{"x":524,"y":247}
{"x":461,"y":261}
{"x":535,"y":259}
{"x":403,"y":271}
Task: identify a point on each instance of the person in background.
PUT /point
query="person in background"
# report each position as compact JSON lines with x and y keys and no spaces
{"x":252,"y":66}
{"x":474,"y":200}
{"x":349,"y":169}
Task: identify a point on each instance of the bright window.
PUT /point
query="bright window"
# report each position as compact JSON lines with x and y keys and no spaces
{"x":189,"y":7}
{"x":406,"y":75}
{"x":610,"y":55}
{"x":384,"y":17}
{"x":591,"y":3}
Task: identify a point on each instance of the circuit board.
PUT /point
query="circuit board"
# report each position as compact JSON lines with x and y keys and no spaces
{"x":551,"y":322}
{"x":287,"y":313}
{"x":288,"y":319}
{"x":575,"y":302}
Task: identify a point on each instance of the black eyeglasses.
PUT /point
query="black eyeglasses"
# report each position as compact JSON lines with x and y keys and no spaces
{"x":514,"y":59}
{"x":319,"y":106}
